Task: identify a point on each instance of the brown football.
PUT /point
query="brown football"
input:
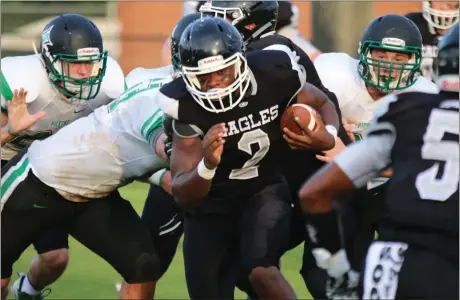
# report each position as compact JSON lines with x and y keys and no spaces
{"x":301,"y":111}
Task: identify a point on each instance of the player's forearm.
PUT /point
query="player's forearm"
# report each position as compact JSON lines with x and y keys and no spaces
{"x":190,"y":188}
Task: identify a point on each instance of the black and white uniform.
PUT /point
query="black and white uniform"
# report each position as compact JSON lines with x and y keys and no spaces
{"x":416,"y":254}
{"x":247,"y":211}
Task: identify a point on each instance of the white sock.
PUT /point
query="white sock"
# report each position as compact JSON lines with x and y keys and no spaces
{"x":28,"y":288}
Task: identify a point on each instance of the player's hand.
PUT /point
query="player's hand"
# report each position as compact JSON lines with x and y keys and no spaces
{"x":330,"y":154}
{"x":343,"y":287}
{"x":350,"y":125}
{"x":19,"y":118}
{"x":319,"y":139}
{"x":213,"y":145}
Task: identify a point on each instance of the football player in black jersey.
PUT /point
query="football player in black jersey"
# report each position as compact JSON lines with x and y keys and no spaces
{"x":224,"y":162}
{"x":433,"y":21}
{"x":257,"y":20}
{"x":416,"y":254}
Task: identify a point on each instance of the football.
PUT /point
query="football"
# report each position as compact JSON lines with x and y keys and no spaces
{"x":300,"y":111}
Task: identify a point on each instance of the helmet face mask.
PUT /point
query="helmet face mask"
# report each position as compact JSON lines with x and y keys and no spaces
{"x":66,"y":41}
{"x":440,"y":19}
{"x":218,"y":99}
{"x":87,"y":88}
{"x":210,"y":47}
{"x":378,"y":72}
{"x":390,"y":53}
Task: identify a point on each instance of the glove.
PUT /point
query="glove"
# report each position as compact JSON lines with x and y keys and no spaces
{"x":343,"y":287}
{"x":167,"y":127}
{"x":168,"y":146}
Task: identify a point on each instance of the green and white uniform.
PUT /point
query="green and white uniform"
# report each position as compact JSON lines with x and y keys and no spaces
{"x":339,"y":73}
{"x":111,"y":147}
{"x":140,"y":74}
{"x":29,"y":73}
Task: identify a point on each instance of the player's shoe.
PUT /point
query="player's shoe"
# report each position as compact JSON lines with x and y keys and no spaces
{"x":20,"y":295}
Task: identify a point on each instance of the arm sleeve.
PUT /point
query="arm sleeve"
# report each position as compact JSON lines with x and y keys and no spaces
{"x":184,"y":130}
{"x":362,"y":161}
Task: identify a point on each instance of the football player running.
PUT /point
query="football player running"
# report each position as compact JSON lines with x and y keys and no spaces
{"x":416,"y":253}
{"x":70,"y":77}
{"x":238,"y":208}
{"x":435,"y":19}
{"x":257,"y":21}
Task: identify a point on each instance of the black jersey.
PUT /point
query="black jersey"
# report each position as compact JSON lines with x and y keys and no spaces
{"x":422,"y":196}
{"x":430,"y":39}
{"x":249,"y":161}
{"x":298,"y":165}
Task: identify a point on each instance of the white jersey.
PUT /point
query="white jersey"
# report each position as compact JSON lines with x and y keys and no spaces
{"x":339,"y":73}
{"x":140,"y":74}
{"x":111,"y":147}
{"x":28,"y":72}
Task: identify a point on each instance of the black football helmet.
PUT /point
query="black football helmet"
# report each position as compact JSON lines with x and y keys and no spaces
{"x":71,"y":38}
{"x":209,"y":45}
{"x":177,"y":33}
{"x":391,"y":33}
{"x":251,"y":18}
{"x":446,"y":65}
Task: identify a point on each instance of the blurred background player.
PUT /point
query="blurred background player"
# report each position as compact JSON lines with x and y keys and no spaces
{"x":435,"y":19}
{"x":390,"y":52}
{"x":70,"y":77}
{"x":286,"y":25}
{"x":417,"y":244}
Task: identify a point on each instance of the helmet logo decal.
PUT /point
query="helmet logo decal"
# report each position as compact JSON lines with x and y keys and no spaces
{"x":46,"y":37}
{"x":210,"y":61}
{"x":393,"y":42}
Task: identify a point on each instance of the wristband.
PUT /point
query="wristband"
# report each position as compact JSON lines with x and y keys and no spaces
{"x":8,"y":130}
{"x":332,"y":130}
{"x":157,"y":177}
{"x":204,"y":172}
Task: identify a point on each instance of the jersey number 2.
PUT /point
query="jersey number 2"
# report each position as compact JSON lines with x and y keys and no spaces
{"x":250,"y":168}
{"x":434,"y":148}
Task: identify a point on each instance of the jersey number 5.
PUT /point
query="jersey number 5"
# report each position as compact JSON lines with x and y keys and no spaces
{"x":250,"y":168}
{"x":428,"y":185}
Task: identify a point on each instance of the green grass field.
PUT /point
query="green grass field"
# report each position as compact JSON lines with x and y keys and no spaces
{"x":89,"y":277}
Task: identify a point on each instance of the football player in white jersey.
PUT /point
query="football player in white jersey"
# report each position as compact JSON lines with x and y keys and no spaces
{"x":390,"y":53}
{"x":70,"y":180}
{"x":71,"y":76}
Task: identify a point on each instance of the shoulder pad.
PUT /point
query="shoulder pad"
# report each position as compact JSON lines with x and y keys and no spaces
{"x":336,"y":70}
{"x":25,"y":72}
{"x":139,"y":74}
{"x":113,"y":84}
{"x":186,"y":130}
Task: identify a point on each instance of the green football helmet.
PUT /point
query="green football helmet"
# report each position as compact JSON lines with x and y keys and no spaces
{"x":393,"y":33}
{"x":69,"y":39}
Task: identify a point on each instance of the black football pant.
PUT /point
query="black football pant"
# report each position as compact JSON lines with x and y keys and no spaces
{"x":108,"y":226}
{"x":165,"y":222}
{"x":220,"y":248}
{"x":51,"y":239}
